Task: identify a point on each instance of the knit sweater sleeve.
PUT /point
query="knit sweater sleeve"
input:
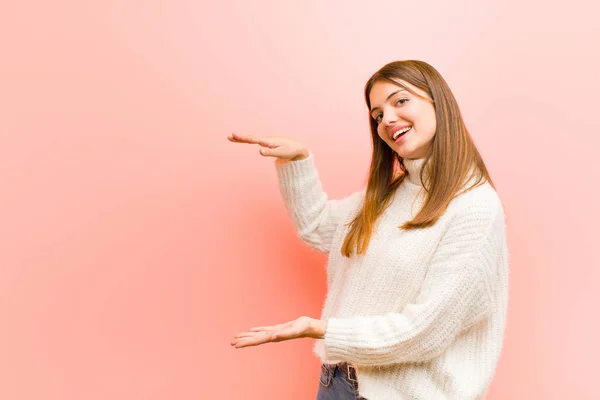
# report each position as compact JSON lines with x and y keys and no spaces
{"x":455,"y":294}
{"x":315,"y":217}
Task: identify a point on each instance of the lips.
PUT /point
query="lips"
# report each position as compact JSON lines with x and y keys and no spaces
{"x":401,"y":129}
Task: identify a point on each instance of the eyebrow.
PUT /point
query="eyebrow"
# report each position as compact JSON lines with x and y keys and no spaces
{"x":389,"y":97}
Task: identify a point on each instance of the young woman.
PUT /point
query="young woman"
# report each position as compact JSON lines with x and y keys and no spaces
{"x":417,"y":269}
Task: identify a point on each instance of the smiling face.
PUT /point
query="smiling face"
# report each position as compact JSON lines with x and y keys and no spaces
{"x":406,"y":122}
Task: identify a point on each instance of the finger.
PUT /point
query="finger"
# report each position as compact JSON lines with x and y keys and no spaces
{"x":265,"y":152}
{"x":253,"y":337}
{"x":262,"y":339}
{"x":253,"y":333}
{"x":262,"y":328}
{"x":235,"y":137}
{"x":268,"y":328}
{"x":274,"y":152}
{"x":248,"y":334}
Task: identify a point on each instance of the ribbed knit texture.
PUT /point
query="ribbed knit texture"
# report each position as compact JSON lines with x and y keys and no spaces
{"x":422,"y":314}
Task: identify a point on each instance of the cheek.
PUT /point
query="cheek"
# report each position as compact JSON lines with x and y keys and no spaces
{"x":428,"y":129}
{"x":426,"y":124}
{"x":431,"y":121}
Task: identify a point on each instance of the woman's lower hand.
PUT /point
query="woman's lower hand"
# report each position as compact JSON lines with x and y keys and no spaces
{"x":299,"y":328}
{"x":283,"y":149}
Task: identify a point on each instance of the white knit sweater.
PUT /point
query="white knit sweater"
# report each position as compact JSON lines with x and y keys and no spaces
{"x":422,"y":314}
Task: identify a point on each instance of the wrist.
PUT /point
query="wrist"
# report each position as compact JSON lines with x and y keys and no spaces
{"x":318,"y":328}
{"x":303,"y":155}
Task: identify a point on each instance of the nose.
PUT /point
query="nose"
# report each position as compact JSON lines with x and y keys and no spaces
{"x":389,"y":118}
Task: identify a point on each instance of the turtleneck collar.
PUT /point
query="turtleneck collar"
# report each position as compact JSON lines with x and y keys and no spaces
{"x":414,"y":168}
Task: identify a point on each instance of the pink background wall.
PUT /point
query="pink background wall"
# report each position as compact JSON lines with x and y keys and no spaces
{"x":135,"y":240}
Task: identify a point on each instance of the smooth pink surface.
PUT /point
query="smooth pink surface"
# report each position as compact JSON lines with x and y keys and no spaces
{"x":136,"y":241}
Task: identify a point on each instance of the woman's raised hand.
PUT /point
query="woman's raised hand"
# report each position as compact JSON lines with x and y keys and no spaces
{"x":283,"y":149}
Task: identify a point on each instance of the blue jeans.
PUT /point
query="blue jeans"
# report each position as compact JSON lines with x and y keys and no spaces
{"x":334,"y":384}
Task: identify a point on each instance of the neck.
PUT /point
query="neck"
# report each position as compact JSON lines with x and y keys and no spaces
{"x":414,"y":167}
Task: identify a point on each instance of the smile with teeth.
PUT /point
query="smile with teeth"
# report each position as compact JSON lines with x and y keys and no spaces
{"x":400,"y":132}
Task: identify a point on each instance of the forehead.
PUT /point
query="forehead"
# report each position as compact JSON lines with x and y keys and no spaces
{"x":381,"y":89}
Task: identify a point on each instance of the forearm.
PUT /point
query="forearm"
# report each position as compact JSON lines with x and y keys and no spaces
{"x":315,"y":217}
{"x":421,"y":332}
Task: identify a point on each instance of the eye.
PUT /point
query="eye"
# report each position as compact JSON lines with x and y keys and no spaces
{"x":399,"y":102}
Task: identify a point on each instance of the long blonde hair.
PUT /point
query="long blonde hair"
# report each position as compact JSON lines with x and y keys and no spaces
{"x":452,"y":159}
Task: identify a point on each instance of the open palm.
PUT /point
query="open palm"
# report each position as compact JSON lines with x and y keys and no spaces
{"x":298,"y":328}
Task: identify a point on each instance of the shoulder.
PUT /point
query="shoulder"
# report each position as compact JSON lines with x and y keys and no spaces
{"x":483,"y":196}
{"x":480,"y":206}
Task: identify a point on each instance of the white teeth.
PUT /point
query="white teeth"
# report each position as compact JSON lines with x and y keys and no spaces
{"x":400,"y":132}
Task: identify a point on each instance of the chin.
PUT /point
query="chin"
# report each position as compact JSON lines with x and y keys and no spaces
{"x":405,"y":153}
{"x":417,"y":153}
